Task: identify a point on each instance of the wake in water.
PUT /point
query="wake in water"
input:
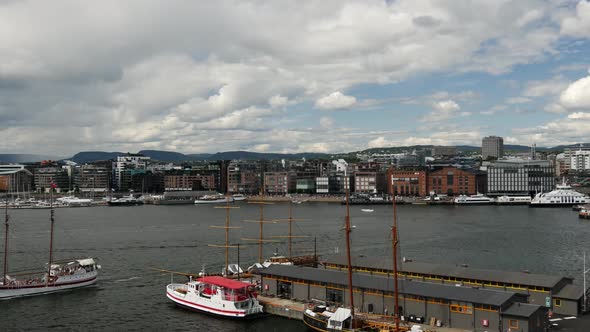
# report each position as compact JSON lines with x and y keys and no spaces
{"x":128,"y":279}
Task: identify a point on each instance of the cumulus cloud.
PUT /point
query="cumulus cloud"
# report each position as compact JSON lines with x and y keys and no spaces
{"x":380,"y":142}
{"x":444,"y":110}
{"x":326,"y":122}
{"x":578,"y":25}
{"x":577,"y":94}
{"x":335,"y":100}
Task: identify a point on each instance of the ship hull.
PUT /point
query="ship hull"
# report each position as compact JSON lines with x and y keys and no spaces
{"x":209,"y":308}
{"x":549,"y":205}
{"x":16,"y":292}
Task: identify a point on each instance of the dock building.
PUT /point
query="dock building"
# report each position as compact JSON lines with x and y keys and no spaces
{"x":556,"y":293}
{"x":470,"y":308}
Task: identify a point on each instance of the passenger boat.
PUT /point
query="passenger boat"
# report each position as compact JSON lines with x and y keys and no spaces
{"x":562,"y":196}
{"x":217,"y":198}
{"x":513,"y":200}
{"x":474,"y":199}
{"x":239,"y":197}
{"x":57,"y":276}
{"x":216,"y":295}
{"x":367,"y":210}
{"x":129,"y":200}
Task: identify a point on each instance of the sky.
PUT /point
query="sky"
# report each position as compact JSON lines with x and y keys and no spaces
{"x":290,"y":76}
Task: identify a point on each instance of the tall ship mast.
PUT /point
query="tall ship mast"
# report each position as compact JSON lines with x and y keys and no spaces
{"x":291,"y":259}
{"x":395,"y":243}
{"x":58,"y":276}
{"x":227,"y":227}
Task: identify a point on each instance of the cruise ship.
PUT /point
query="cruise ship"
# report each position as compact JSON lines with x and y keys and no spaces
{"x":474,"y":199}
{"x":562,"y":196}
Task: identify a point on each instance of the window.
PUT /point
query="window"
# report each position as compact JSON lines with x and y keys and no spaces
{"x":513,"y":323}
{"x":557,"y":302}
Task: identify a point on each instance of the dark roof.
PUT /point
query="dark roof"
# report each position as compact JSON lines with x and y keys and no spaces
{"x":522,"y":278}
{"x":570,"y":292}
{"x":365,"y":281}
{"x":521,"y":309}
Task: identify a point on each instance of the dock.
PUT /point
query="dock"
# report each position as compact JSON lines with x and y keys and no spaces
{"x":294,"y":310}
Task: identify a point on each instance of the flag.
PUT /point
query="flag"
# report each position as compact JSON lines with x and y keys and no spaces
{"x":53,"y":185}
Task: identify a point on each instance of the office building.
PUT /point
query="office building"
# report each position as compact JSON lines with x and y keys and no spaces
{"x":492,"y":147}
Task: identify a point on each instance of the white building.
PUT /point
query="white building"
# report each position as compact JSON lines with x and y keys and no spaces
{"x":126,"y":162}
{"x":580,"y":160}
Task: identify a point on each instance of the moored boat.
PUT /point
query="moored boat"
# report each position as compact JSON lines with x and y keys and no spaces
{"x":239,"y":197}
{"x":216,"y":295}
{"x":217,"y":198}
{"x":513,"y":200}
{"x":473,"y":199}
{"x":129,"y":200}
{"x":562,"y":196}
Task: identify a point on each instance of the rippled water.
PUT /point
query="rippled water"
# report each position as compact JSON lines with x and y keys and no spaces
{"x":130,"y":240}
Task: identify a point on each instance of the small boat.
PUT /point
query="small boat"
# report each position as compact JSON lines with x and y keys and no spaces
{"x":584,"y":213}
{"x":216,"y":198}
{"x":125,"y":201}
{"x":216,"y":295}
{"x":474,"y":199}
{"x":513,"y":200}
{"x":367,"y":210}
{"x":239,"y":197}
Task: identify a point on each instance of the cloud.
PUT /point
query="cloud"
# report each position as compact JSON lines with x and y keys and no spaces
{"x":380,"y":142}
{"x":577,"y":94}
{"x":518,"y":100}
{"x":326,"y":122}
{"x":578,"y":25}
{"x":444,"y":110}
{"x":545,"y":88}
{"x":335,"y":100}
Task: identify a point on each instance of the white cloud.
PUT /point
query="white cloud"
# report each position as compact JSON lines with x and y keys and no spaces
{"x":335,"y":100}
{"x":278,"y":101}
{"x":261,"y":147}
{"x":444,"y":110}
{"x":545,"y":88}
{"x":578,"y":25}
{"x":326,"y":122}
{"x":379,"y":142}
{"x":577,"y":94}
{"x":518,"y":100}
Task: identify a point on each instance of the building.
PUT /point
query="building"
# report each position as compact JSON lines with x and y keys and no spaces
{"x":15,"y":179}
{"x":460,"y":307}
{"x":276,"y":183}
{"x":492,"y":146}
{"x":92,"y":178}
{"x":553,"y":292}
{"x":444,"y":151}
{"x":453,"y":181}
{"x":365,"y":182}
{"x":46,"y":176}
{"x":520,"y":177}
{"x":188,"y":180}
{"x":580,"y":160}
{"x":407,"y":182}
{"x":125,"y":167}
{"x":244,"y":177}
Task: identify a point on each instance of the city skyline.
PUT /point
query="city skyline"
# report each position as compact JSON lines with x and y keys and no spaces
{"x":289,"y":77}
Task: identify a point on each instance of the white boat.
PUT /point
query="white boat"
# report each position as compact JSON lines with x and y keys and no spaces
{"x":217,"y":198}
{"x":124,"y":201}
{"x":367,"y":210}
{"x":55,"y":277}
{"x":562,"y":196}
{"x":513,"y":200}
{"x":474,"y":199}
{"x":239,"y":197}
{"x":74,"y":201}
{"x":216,"y":295}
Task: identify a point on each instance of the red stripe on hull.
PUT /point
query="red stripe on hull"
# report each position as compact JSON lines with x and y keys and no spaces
{"x":206,"y":307}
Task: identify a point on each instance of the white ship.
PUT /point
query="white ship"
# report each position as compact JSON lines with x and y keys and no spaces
{"x":474,"y":199}
{"x":513,"y":200}
{"x":57,"y":275}
{"x":238,"y":197}
{"x":217,"y":198}
{"x":216,"y":295}
{"x":562,"y":196}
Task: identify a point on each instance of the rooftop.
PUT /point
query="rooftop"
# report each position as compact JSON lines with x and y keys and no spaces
{"x":522,"y":278}
{"x":416,"y":288}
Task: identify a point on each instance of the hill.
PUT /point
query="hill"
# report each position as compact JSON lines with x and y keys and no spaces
{"x":24,"y":158}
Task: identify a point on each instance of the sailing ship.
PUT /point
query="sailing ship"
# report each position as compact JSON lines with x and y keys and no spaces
{"x":58,"y":275}
{"x":218,"y":295}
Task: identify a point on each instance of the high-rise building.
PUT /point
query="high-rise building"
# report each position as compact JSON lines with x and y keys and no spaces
{"x":492,"y":146}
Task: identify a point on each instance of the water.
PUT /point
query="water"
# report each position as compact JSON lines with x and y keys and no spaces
{"x":128,"y":241}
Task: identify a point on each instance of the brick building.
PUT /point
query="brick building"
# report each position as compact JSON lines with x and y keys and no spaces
{"x":407,"y":182}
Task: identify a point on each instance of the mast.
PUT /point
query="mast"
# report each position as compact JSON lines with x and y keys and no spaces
{"x":347,"y":231}
{"x":290,"y":236}
{"x":394,"y":246}
{"x":227,"y":227}
{"x":51,"y":233}
{"x":5,"y":240}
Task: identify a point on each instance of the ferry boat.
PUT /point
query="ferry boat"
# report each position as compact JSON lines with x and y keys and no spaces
{"x":125,"y":201}
{"x":218,"y":198}
{"x":474,"y":199}
{"x":57,"y":276}
{"x":513,"y":200}
{"x":562,"y":196}
{"x":216,"y":295}
{"x":239,"y":197}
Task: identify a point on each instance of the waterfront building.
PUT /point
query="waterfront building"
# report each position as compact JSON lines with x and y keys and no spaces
{"x":456,"y":181}
{"x":92,"y":177}
{"x":520,"y":177}
{"x":557,"y":293}
{"x":276,"y":183}
{"x":244,"y":177}
{"x":365,"y":182}
{"x":15,"y":179}
{"x":455,"y":306}
{"x":123,"y":167}
{"x":492,"y":146}
{"x":407,"y":182}
{"x":45,"y":176}
{"x":188,"y":180}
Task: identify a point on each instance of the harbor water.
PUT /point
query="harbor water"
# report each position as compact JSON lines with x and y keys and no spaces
{"x":129,"y":241}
